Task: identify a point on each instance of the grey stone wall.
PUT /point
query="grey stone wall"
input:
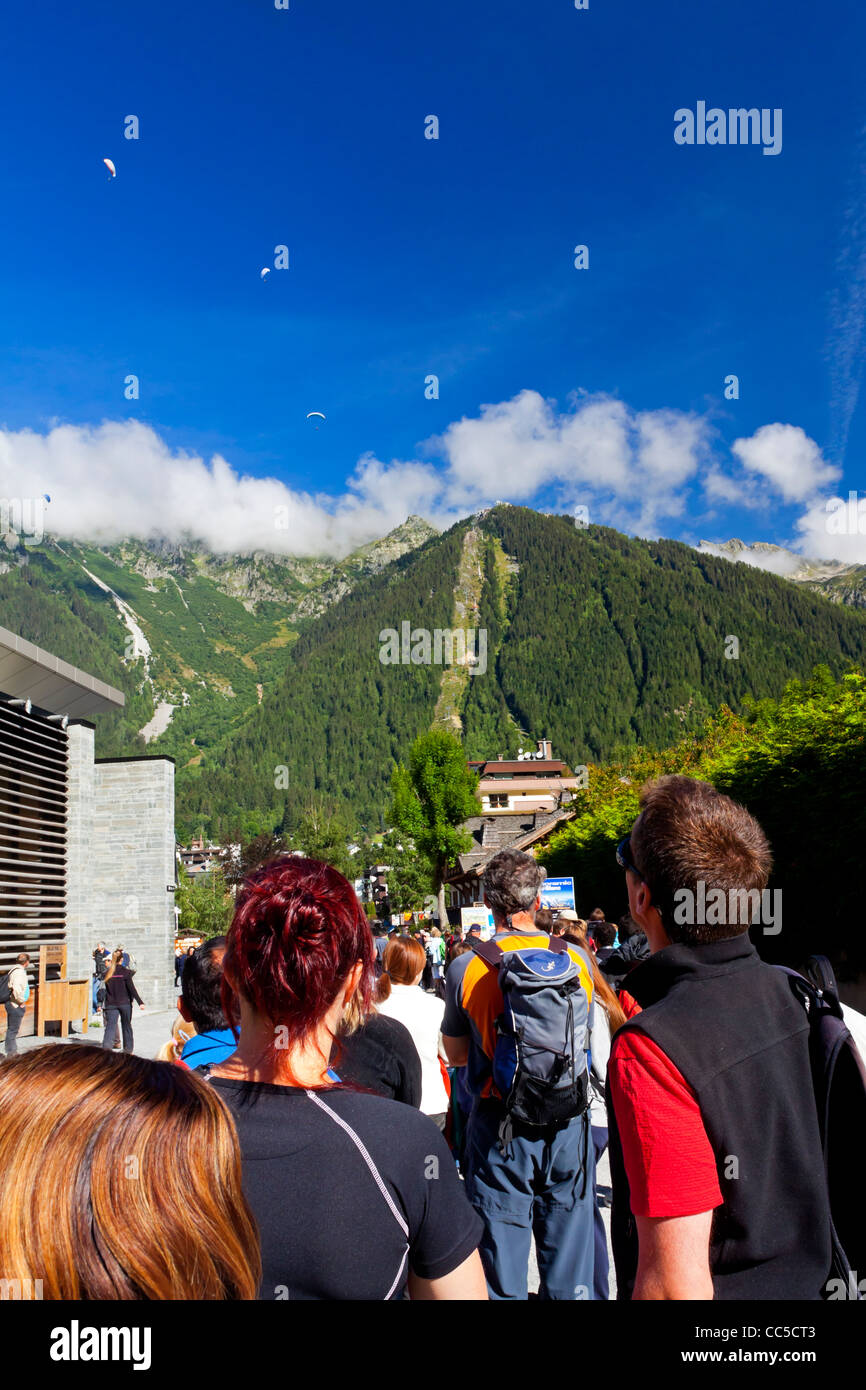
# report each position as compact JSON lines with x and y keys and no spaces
{"x":134,"y":861}
{"x":79,"y":853}
{"x":120,"y":859}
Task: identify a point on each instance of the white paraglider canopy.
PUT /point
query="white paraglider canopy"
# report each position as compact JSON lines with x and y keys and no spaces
{"x":109,"y":164}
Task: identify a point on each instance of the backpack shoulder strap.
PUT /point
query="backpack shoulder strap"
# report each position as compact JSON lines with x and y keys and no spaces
{"x":489,"y":952}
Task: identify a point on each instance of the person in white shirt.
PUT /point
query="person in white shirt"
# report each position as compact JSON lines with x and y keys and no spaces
{"x":398,"y":994}
{"x":436,"y":957}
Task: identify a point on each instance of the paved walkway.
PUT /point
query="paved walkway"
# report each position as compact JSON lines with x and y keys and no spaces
{"x":151,"y":1029}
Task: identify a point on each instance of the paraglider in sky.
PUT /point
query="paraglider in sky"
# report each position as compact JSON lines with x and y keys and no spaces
{"x":315,"y":415}
{"x":109,"y":164}
{"x":47,"y":498}
{"x":265,"y":273}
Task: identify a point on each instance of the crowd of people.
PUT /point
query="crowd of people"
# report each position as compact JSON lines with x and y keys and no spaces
{"x":352,"y":1134}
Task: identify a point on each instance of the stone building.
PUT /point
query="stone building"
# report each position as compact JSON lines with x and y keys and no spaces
{"x":87,"y":848}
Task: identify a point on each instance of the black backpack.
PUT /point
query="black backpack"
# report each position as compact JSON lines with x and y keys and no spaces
{"x":839,"y":1080}
{"x":5,"y":991}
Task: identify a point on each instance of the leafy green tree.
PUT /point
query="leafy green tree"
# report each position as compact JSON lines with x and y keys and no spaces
{"x":205,"y":903}
{"x":410,"y":875}
{"x":432,"y":797}
{"x":798,"y":764}
{"x":325,"y":832}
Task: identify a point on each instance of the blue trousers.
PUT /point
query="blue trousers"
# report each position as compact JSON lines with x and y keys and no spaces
{"x":602,"y":1260}
{"x":544,"y":1186}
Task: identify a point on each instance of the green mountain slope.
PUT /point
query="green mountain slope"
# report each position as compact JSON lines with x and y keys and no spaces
{"x":597,"y":641}
{"x":192,"y":639}
{"x":262,"y":675}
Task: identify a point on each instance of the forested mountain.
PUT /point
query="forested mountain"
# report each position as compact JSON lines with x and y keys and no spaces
{"x":599,"y":642}
{"x":193,"y":640}
{"x":837,"y":580}
{"x":262,"y":675}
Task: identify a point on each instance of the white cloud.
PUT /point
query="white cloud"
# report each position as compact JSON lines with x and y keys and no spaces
{"x":788,"y":459}
{"x":633,"y":469}
{"x":836,"y":532}
{"x":121,"y":480}
{"x":780,"y":561}
{"x":736,"y":492}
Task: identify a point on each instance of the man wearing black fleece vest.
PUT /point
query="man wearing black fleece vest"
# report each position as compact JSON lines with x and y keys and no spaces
{"x":718,"y":1179}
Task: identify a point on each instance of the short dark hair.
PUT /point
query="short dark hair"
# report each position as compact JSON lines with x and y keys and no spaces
{"x":686,"y":833}
{"x":202,"y":983}
{"x":544,"y":921}
{"x":602,"y":933}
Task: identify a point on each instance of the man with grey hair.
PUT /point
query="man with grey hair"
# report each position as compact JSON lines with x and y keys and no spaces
{"x":543,"y":1182}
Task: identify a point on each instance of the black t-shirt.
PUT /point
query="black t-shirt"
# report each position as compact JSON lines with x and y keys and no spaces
{"x":327,"y":1229}
{"x":381,"y":1057}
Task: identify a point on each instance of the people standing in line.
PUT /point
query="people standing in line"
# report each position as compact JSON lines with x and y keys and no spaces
{"x":101,"y":958}
{"x":377,"y":1053}
{"x":634,"y":948}
{"x":120,"y":992}
{"x":436,"y":957}
{"x":16,"y":1005}
{"x":603,"y":935}
{"x":355,"y":1197}
{"x":200,"y":1003}
{"x":461,"y":1096}
{"x":719,"y":1185}
{"x":380,"y":942}
{"x":542,"y":1179}
{"x":545,"y":922}
{"x":137,"y":1167}
{"x":606,"y":1017}
{"x":427,"y":975}
{"x":397,"y":995}
{"x":569,"y":925}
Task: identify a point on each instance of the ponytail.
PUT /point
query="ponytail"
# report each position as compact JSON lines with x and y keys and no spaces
{"x":404,"y":958}
{"x":383,"y":988}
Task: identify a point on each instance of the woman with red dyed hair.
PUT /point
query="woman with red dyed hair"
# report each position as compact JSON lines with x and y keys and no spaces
{"x":356,"y":1196}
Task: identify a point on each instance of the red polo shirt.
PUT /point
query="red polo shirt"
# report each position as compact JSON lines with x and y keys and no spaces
{"x":668,"y":1158}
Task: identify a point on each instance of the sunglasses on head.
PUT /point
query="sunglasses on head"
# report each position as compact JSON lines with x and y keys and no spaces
{"x":624,"y":857}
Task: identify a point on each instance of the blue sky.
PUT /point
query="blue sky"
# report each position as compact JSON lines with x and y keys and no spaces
{"x":261,"y":127}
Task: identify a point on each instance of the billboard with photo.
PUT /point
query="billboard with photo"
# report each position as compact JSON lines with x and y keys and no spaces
{"x":478,"y":916}
{"x":557,"y":894}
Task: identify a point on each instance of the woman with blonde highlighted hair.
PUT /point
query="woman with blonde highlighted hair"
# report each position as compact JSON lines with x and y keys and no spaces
{"x":120,"y":1178}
